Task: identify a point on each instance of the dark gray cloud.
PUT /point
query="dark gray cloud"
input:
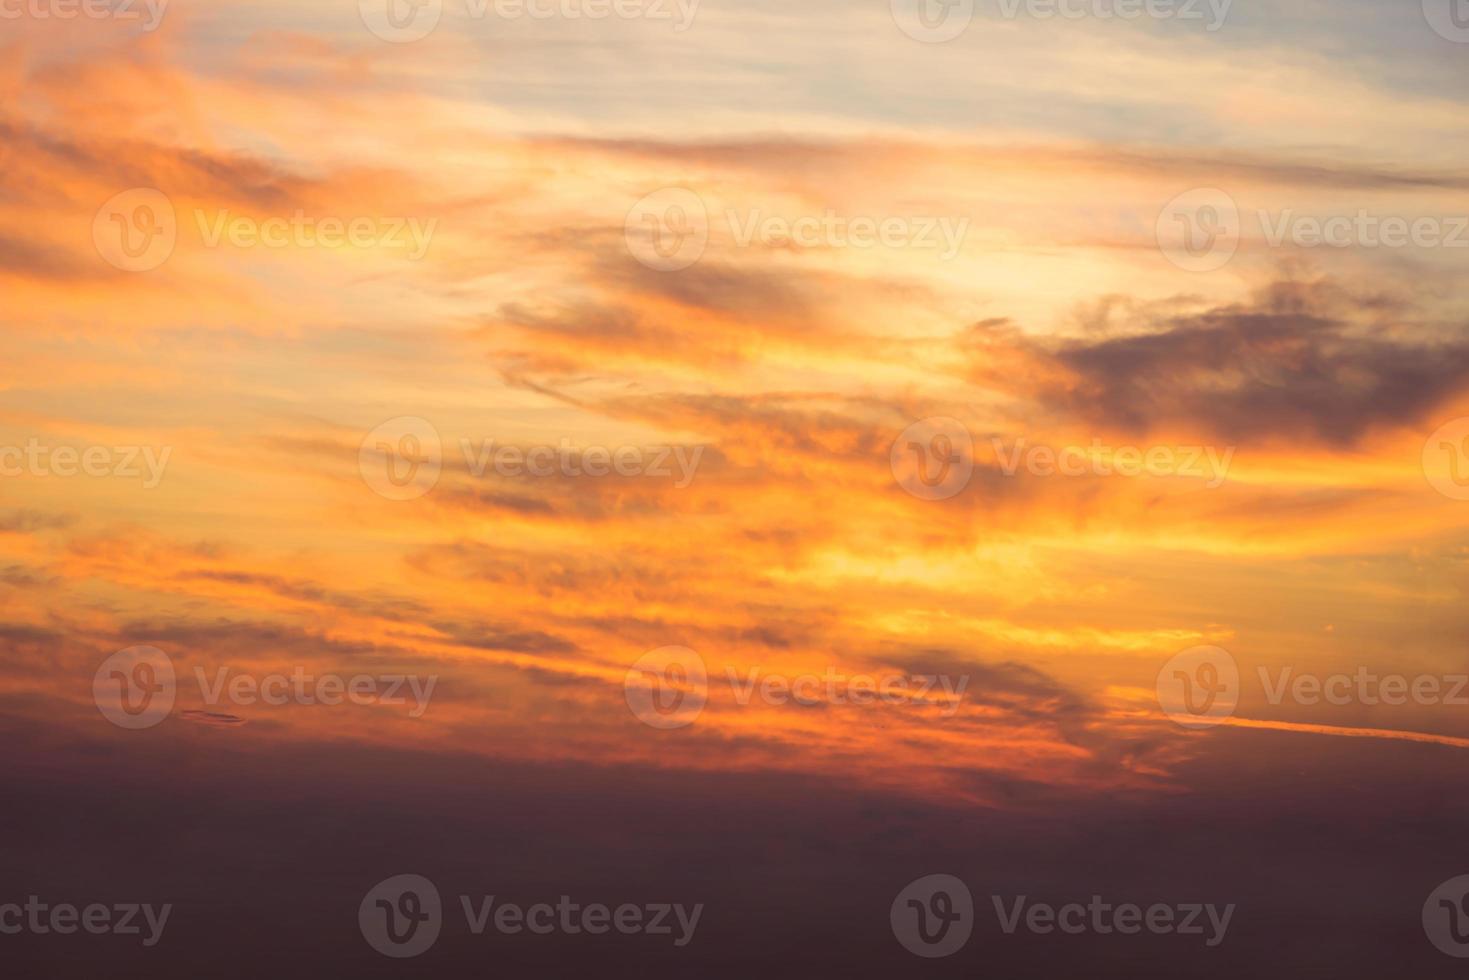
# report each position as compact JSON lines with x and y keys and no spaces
{"x":215,"y":719}
{"x":31,"y":521}
{"x":1298,"y":363}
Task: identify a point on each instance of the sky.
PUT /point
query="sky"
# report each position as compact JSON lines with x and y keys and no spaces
{"x":630,"y":391}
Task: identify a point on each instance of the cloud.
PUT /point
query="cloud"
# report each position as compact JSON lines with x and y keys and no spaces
{"x":1300,"y":362}
{"x":212,"y":719}
{"x":32,"y":521}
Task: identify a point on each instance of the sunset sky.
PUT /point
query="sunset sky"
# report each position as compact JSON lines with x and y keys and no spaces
{"x":531,"y":311}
